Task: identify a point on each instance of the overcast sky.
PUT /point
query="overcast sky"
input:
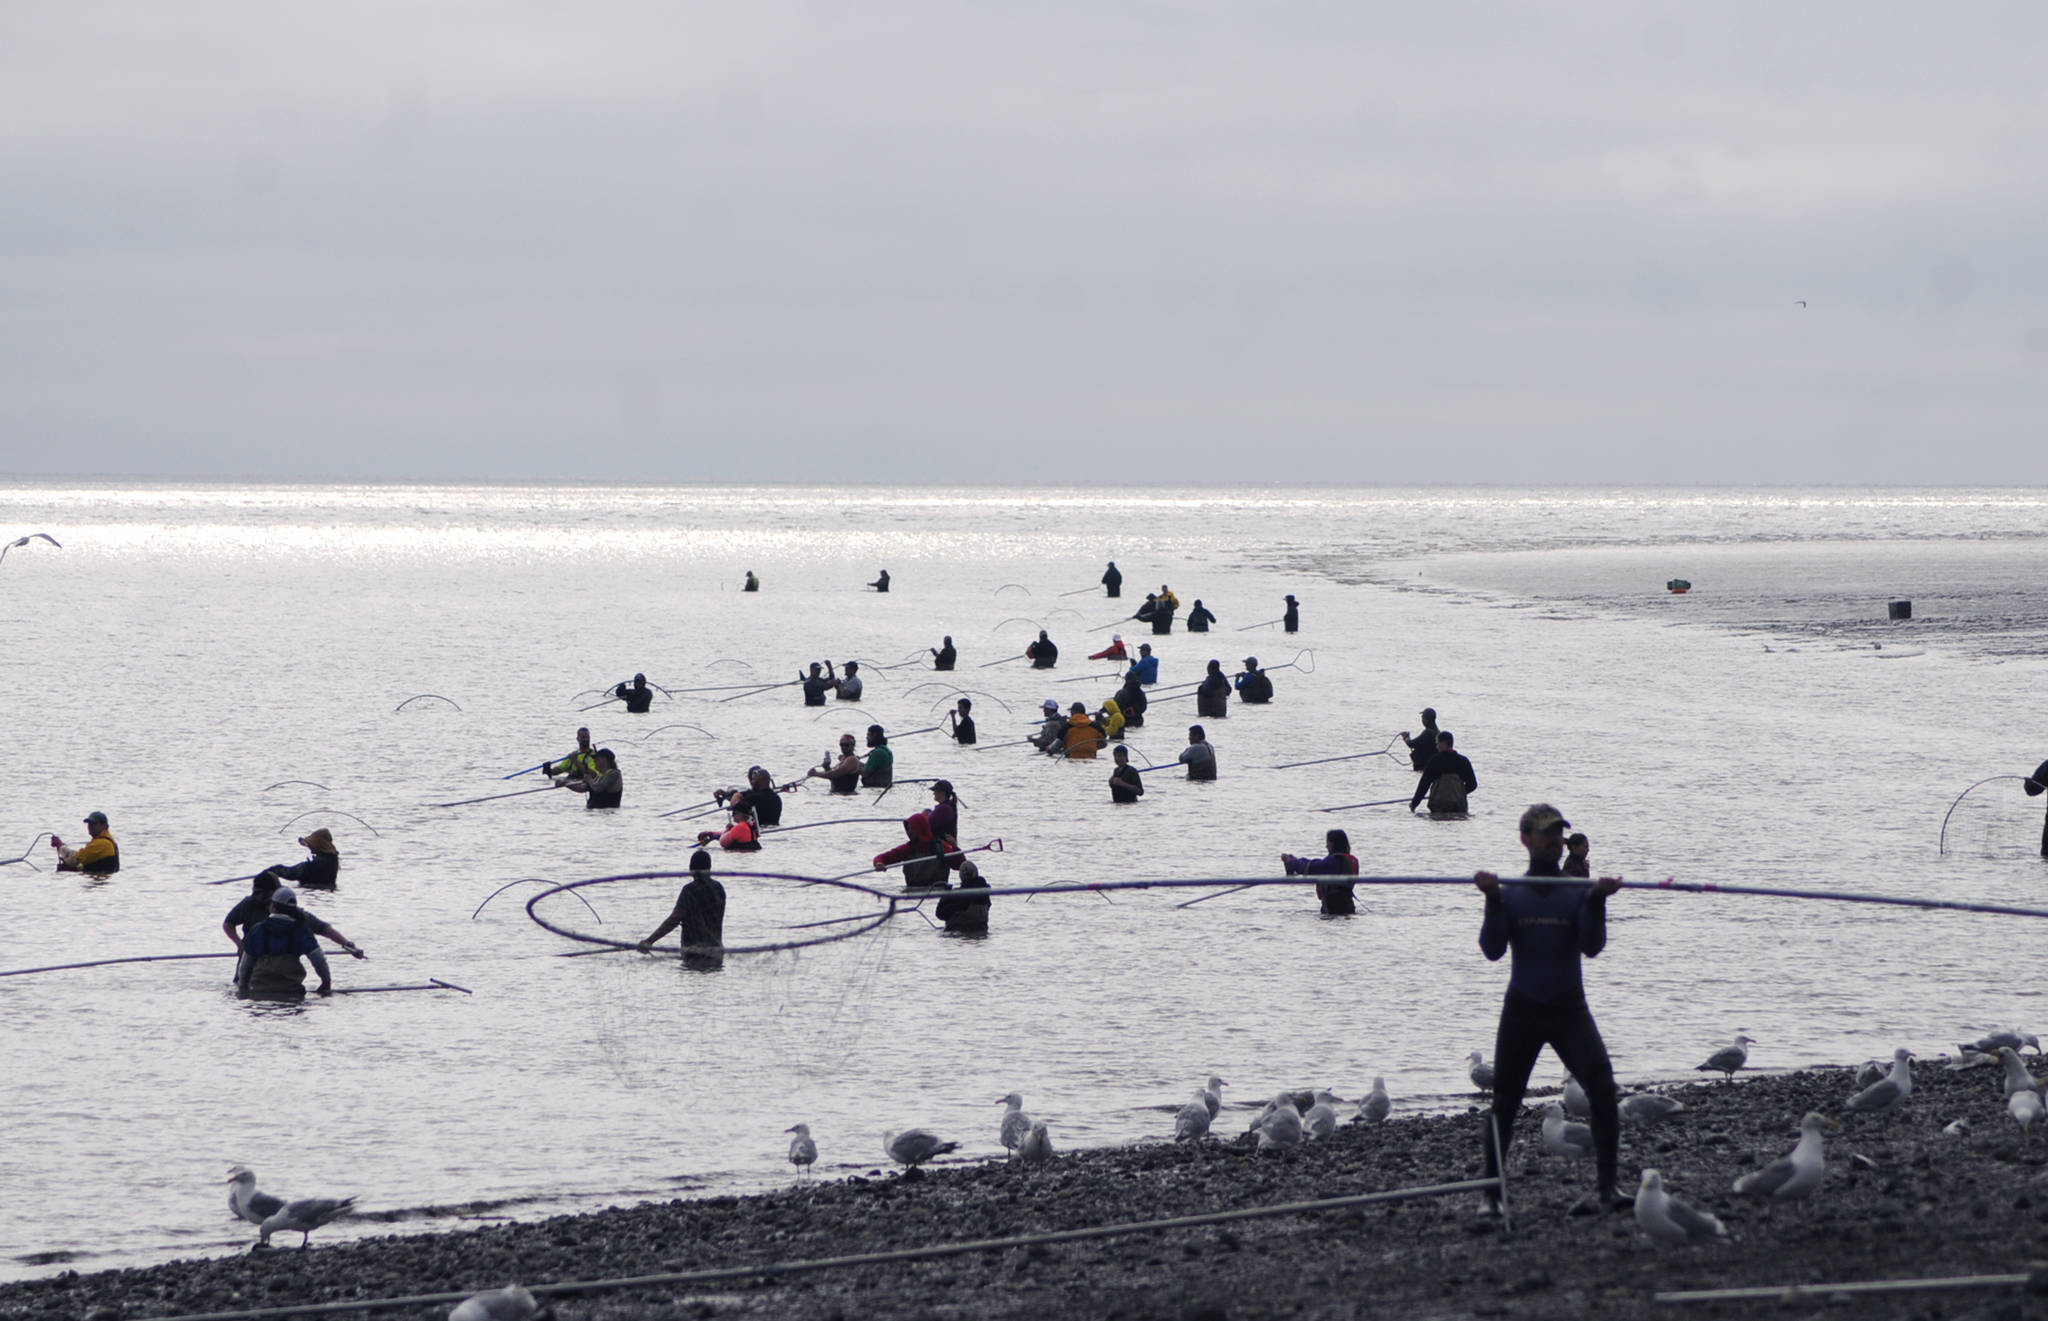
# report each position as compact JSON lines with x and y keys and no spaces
{"x":1139,"y":242}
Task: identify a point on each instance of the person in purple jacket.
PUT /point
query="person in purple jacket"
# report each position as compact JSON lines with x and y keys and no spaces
{"x":1336,"y":895}
{"x":1550,"y":922}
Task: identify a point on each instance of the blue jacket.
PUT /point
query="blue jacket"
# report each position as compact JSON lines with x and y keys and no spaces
{"x":1145,"y":670}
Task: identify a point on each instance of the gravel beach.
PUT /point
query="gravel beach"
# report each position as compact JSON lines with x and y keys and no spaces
{"x":1935,"y":1204}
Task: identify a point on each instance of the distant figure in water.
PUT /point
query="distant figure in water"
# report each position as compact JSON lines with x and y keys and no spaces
{"x":742,"y":836}
{"x":964,"y":912}
{"x":1212,"y":699}
{"x":879,"y":770}
{"x":849,"y":688}
{"x":99,"y":856}
{"x":1422,"y":746}
{"x":1114,"y":651}
{"x":816,"y":684}
{"x":1113,"y":581}
{"x":1336,"y":895}
{"x":1253,"y":686}
{"x":881,"y":584}
{"x":319,"y":871}
{"x":1290,"y":622}
{"x":1043,"y":654}
{"x":1198,"y":756}
{"x":255,"y":908}
{"x":1083,"y":736}
{"x":1446,"y":779}
{"x":760,"y":798}
{"x":1577,"y":851}
{"x":844,"y":774}
{"x":962,"y":720}
{"x":1200,"y":617}
{"x":753,"y":583}
{"x":271,"y":950}
{"x":637,"y":698}
{"x":943,"y":656}
{"x":1125,"y":784}
{"x":700,"y":912}
{"x":2034,"y":787}
{"x":604,"y":786}
{"x":578,"y":764}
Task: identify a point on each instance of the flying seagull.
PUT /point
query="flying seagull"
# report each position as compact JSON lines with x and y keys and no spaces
{"x":23,"y":541}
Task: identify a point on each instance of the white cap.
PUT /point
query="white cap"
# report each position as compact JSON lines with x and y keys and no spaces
{"x":1116,"y":637}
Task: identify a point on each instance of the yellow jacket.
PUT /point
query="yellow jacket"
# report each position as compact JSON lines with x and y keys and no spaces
{"x":99,"y":854}
{"x":1112,"y":718}
{"x":1083,"y":738}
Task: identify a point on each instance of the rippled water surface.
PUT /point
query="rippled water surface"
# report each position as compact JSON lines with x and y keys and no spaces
{"x":191,"y":647}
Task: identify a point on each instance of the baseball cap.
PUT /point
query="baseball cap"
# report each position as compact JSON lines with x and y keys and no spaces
{"x":1542,"y":817}
{"x":1048,"y":705}
{"x":287,"y":896}
{"x":96,"y":819}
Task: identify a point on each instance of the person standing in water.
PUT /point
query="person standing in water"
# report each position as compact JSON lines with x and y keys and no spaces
{"x":753,"y":584}
{"x":1043,"y":654}
{"x":1212,"y":699}
{"x":881,"y":584}
{"x":1577,"y":861}
{"x":577,"y":765}
{"x":700,"y":912}
{"x":1113,"y":581}
{"x":962,"y":721}
{"x":638,"y":697}
{"x":848,"y":689}
{"x":1550,"y":928}
{"x":843,"y":774}
{"x":1198,"y":756}
{"x":1335,"y":895}
{"x":1422,"y":746}
{"x":943,"y":656}
{"x":963,"y":911}
{"x":817,"y":684}
{"x":1253,"y":686}
{"x":320,"y":870}
{"x":1290,"y":621}
{"x":1125,"y":784}
{"x":1446,"y":778}
{"x":271,"y":950}
{"x":1114,"y":651}
{"x":2037,"y":782}
{"x":879,"y":770}
{"x":98,"y":856}
{"x":1200,"y":617}
{"x":604,"y":785}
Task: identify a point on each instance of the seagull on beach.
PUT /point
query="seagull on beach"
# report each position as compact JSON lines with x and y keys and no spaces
{"x":2017,"y":1079}
{"x":1989,"y":1043}
{"x":1280,"y":1128}
{"x":1213,"y":1094}
{"x":1795,"y":1176}
{"x":1885,"y":1096}
{"x":245,"y":1201}
{"x":1016,"y":1124}
{"x":1321,"y":1118}
{"x":1668,"y":1220}
{"x":803,"y":1153}
{"x":1376,"y":1106}
{"x":914,"y":1146}
{"x":302,"y":1218}
{"x":1480,"y":1071}
{"x":1649,"y":1107}
{"x":511,"y":1303}
{"x":1191,"y":1122}
{"x":1575,"y":1103}
{"x":1036,"y":1146}
{"x":23,"y":541}
{"x":1729,"y":1058}
{"x":1560,"y":1135}
{"x":2025,"y":1108}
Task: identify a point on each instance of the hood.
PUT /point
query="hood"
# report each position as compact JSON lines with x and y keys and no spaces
{"x":918,"y":826}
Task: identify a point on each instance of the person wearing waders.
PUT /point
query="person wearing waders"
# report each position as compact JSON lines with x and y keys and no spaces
{"x":881,"y":584}
{"x":2036,"y":783}
{"x":961,"y":718}
{"x":271,"y":950}
{"x":817,"y":684}
{"x":637,"y":696}
{"x":1422,"y":746}
{"x":1336,"y":896}
{"x":1113,"y":581}
{"x":604,"y":786}
{"x":700,"y":912}
{"x":1549,"y":928}
{"x":1290,"y":622}
{"x":1212,"y":699}
{"x":1446,"y":778}
{"x":1200,"y":617}
{"x":944,"y":656}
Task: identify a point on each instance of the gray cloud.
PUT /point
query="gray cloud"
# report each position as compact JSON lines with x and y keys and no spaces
{"x":921,"y":241}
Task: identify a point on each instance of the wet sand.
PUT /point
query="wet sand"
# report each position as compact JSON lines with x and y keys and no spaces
{"x":1935,"y":1205}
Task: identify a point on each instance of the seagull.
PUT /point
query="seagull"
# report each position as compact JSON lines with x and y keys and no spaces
{"x":1036,"y":1148}
{"x":23,"y":541}
{"x":1575,"y":1103}
{"x":1668,"y":1220}
{"x":803,"y":1153}
{"x":1956,"y":1128}
{"x":1481,"y":1072}
{"x":302,"y":1218}
{"x":914,"y":1146}
{"x":2017,"y":1079}
{"x":1376,"y":1106}
{"x":1883,"y":1096}
{"x":1795,"y":1176}
{"x":1991,"y":1041}
{"x":1015,"y":1122}
{"x":511,"y":1303}
{"x":1729,"y":1058}
{"x":1871,"y":1071}
{"x":1321,"y":1119}
{"x":1213,"y":1094}
{"x":1573,"y":1141}
{"x":1649,"y":1107}
{"x":245,"y":1201}
{"x":1281,"y":1127}
{"x":1191,"y":1123}
{"x":1800,"y":301}
{"x":2025,"y":1108}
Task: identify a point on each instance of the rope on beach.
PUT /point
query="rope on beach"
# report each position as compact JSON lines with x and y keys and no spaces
{"x":1805,"y":1293}
{"x":929,"y":1252}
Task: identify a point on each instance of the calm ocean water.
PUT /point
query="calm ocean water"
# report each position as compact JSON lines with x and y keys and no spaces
{"x":193,"y":645}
